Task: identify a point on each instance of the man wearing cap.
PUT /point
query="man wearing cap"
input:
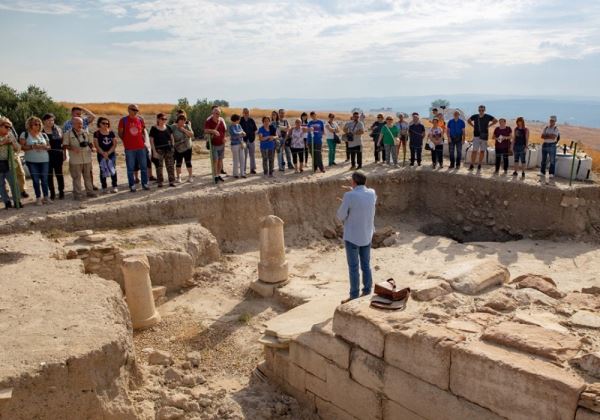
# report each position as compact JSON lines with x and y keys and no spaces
{"x":131,"y":132}
{"x":77,"y":112}
{"x":7,"y":140}
{"x":550,"y":136}
{"x":481,"y":123}
{"x":357,"y":213}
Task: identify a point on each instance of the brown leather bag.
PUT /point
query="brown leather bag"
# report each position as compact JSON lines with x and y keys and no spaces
{"x":388,"y":289}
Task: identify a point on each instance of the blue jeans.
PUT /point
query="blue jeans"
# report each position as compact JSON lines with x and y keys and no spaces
{"x":39,"y":176}
{"x":284,"y":154}
{"x":455,"y":146}
{"x":354,"y":253}
{"x":4,"y":178}
{"x":139,"y":157}
{"x":548,"y":152}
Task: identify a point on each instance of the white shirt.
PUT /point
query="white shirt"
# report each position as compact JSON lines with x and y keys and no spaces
{"x":329,"y":129}
{"x":357,"y":213}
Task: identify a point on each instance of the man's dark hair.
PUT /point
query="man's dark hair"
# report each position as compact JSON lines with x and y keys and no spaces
{"x":212,"y":108}
{"x":181,"y":117}
{"x":76,"y":108}
{"x":359,"y":177}
{"x":48,"y":116}
{"x":235,"y":117}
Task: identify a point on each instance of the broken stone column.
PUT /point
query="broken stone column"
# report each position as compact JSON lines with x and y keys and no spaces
{"x":273,"y":267}
{"x":138,"y":289}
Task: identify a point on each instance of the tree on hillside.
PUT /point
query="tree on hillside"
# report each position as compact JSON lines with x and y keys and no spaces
{"x":440,"y":103}
{"x":18,"y":106}
{"x":221,"y":102}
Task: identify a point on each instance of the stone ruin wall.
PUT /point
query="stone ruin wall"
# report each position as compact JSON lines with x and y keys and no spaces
{"x":451,"y":356}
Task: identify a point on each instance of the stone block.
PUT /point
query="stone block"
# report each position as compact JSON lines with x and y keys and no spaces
{"x":512,"y":384}
{"x":362,"y":402}
{"x":475,"y":276}
{"x":328,"y":411}
{"x":429,"y":401}
{"x":585,"y":414}
{"x":367,"y":327}
{"x":308,"y":360}
{"x":367,"y":369}
{"x":394,"y":411}
{"x":423,"y":352}
{"x":534,"y":340}
{"x":262,"y":288}
{"x":317,"y":386}
{"x":430,"y":289}
{"x":322,"y":340}
{"x":589,"y":362}
{"x":585,"y":319}
{"x":590,"y":397}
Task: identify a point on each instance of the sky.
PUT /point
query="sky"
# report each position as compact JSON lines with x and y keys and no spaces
{"x":159,"y":51}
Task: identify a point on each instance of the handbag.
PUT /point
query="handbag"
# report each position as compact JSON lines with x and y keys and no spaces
{"x":336,"y":139}
{"x":389,"y":290}
{"x":396,"y":139}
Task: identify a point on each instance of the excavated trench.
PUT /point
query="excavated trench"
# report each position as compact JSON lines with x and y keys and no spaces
{"x":468,"y":233}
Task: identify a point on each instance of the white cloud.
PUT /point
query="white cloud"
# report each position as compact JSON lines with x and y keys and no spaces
{"x":36,"y":6}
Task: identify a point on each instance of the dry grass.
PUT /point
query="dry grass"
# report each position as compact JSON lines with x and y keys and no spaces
{"x":116,"y":108}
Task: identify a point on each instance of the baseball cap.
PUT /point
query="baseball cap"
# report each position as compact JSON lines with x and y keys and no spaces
{"x":133,"y":107}
{"x":553,"y":117}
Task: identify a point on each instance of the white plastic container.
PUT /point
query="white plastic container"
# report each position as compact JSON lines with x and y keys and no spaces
{"x":466,"y":151}
{"x":563,"y":165}
{"x":531,"y":157}
{"x":490,"y":156}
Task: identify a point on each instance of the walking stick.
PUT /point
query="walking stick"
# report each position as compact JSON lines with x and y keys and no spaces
{"x":208,"y":138}
{"x":573,"y":164}
{"x":312,"y":153}
{"x":14,"y":185}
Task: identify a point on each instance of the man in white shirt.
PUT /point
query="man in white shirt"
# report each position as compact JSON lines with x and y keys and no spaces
{"x":357,"y":213}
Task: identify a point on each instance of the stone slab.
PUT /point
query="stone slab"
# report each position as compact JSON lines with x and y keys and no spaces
{"x":429,"y":289}
{"x":474,"y":277}
{"x":545,"y":320}
{"x":273,"y":342}
{"x":327,"y":411}
{"x":424,"y":352}
{"x":308,"y":360}
{"x":367,"y":369}
{"x":302,"y":318}
{"x":429,"y":401}
{"x":590,"y":397}
{"x":362,"y":402}
{"x":585,"y":319}
{"x":534,"y":340}
{"x":585,"y":414}
{"x":367,"y":327}
{"x":513,"y":385}
{"x":465,"y":326}
{"x":394,"y":411}
{"x":322,"y":340}
{"x":589,"y":362}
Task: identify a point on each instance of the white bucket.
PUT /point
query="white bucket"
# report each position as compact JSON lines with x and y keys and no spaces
{"x":490,"y":156}
{"x":531,"y":158}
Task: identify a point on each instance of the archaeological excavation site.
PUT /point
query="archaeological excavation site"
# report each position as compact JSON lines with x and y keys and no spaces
{"x":223,"y":302}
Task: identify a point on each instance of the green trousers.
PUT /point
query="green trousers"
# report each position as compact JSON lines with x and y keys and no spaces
{"x":331,"y":151}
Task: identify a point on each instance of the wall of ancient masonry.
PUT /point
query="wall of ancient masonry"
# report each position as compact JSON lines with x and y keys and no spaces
{"x":437,"y":360}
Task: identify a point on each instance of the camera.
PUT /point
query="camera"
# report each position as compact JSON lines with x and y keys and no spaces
{"x":350,"y":137}
{"x":84,"y":144}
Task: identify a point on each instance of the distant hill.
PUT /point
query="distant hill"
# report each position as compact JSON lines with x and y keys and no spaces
{"x":574,"y":111}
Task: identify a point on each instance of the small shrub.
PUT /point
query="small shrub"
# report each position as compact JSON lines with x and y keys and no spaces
{"x":197,"y":113}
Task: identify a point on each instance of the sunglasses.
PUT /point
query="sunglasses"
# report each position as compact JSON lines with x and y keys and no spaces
{"x":37,"y":124}
{"x":104,"y":123}
{"x":162,"y":119}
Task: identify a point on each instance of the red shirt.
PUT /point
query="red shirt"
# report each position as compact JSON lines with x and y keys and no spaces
{"x":210,"y":124}
{"x":133,"y":132}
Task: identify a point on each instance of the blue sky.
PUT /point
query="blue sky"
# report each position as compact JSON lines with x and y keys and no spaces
{"x":148,"y":50}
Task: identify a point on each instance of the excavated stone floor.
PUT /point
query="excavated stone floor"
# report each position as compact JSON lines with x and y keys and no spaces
{"x":68,"y":349}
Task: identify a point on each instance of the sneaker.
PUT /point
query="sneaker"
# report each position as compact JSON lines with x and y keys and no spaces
{"x":221,"y":178}
{"x":515,"y":173}
{"x":244,"y":176}
{"x":451,"y":166}
{"x":47,"y":200}
{"x":505,"y":173}
{"x":132,"y":189}
{"x":152,"y":178}
{"x":471,"y":167}
{"x":8,"y":205}
{"x":433,"y":166}
{"x":352,"y":167}
{"x":172,"y":184}
{"x":94,"y":188}
{"x":253,"y":172}
{"x":216,"y":180}
{"x":145,"y":187}
{"x":551,"y":176}
{"x":441,"y":166}
{"x":178,"y":179}
{"x":281,"y":169}
{"x":479,"y":168}
{"x":24,"y":194}
{"x":38,"y":202}
{"x":496,"y":173}
{"x":236,"y":177}
{"x":114,"y":190}
{"x":159,"y":185}
{"x":104,"y":190}
{"x":522,"y":175}
{"x":223,"y":172}
{"x":458,"y":166}
{"x":61,"y":195}
{"x":52,"y":196}
{"x":190,"y":179}
{"x":412,"y":164}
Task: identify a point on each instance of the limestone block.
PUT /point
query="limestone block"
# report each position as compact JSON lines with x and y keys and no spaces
{"x":542,"y":283}
{"x":326,"y":410}
{"x":139,"y":292}
{"x":317,"y":386}
{"x":542,"y":319}
{"x":512,"y":384}
{"x":367,"y":369}
{"x":429,"y":289}
{"x":367,"y":327}
{"x":308,"y":360}
{"x":423,"y":352}
{"x":462,"y":325}
{"x":322,"y":340}
{"x":363,"y":403}
{"x":585,"y":414}
{"x":585,"y":319}
{"x":475,"y":276}
{"x":158,"y":292}
{"x":590,"y":397}
{"x":532,"y":339}
{"x":273,"y":267}
{"x":429,"y":401}
{"x":262,"y":288}
{"x":589,"y":362}
{"x":394,"y":411}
